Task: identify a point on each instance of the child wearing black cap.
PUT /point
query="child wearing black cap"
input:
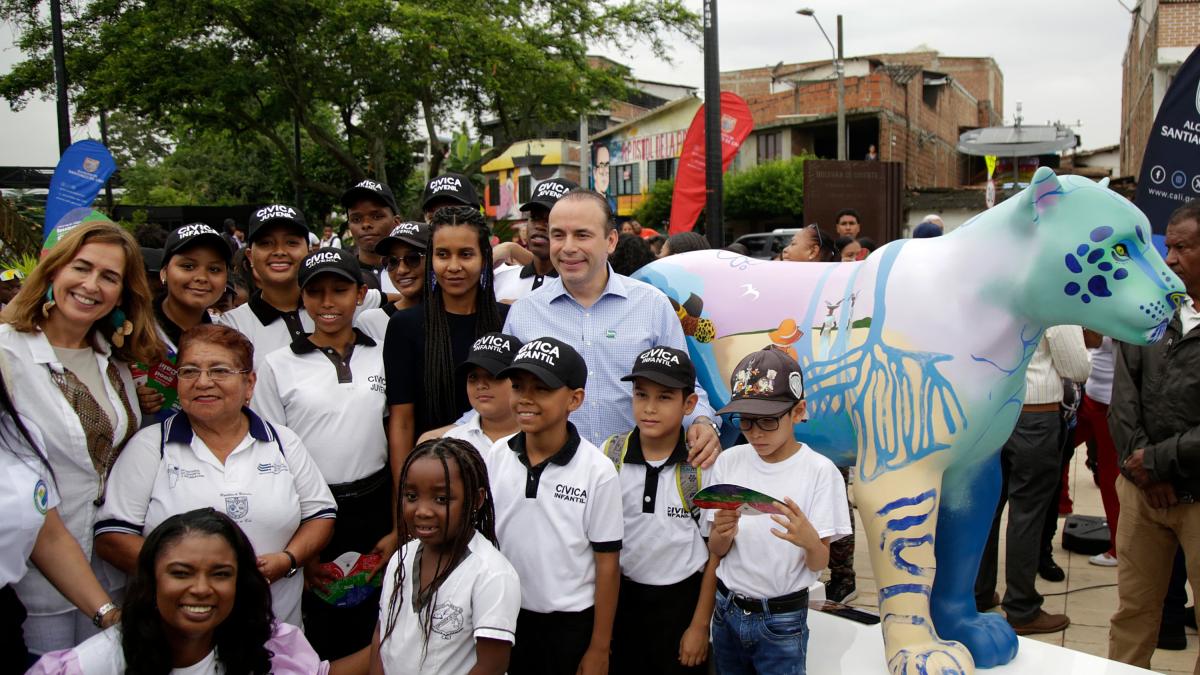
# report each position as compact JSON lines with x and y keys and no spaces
{"x":329,"y":388}
{"x":403,"y":255}
{"x":558,"y":517}
{"x":667,"y":583}
{"x":765,"y":571}
{"x":372,"y":213}
{"x":490,"y":395}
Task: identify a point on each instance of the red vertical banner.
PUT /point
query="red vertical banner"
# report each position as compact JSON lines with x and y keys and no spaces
{"x":688,"y":199}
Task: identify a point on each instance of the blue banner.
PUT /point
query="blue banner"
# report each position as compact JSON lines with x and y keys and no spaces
{"x":1171,"y":166}
{"x":82,"y":171}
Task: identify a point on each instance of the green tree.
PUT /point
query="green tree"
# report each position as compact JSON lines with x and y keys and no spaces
{"x":655,"y":210}
{"x":378,"y":69}
{"x":770,"y":191}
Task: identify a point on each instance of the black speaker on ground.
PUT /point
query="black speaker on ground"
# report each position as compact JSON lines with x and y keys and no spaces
{"x":1085,"y":534}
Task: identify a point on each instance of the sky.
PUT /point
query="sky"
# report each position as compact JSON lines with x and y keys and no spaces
{"x":1061,"y":60}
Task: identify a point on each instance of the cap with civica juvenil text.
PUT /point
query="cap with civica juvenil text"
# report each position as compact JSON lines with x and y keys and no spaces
{"x":452,"y":186}
{"x":370,"y":189}
{"x":193,"y":235}
{"x":667,"y":366}
{"x":331,"y":260}
{"x":409,"y":233}
{"x":276,"y":213}
{"x":767,"y":382}
{"x":493,"y":352}
{"x":548,"y":192}
{"x":554,"y":362}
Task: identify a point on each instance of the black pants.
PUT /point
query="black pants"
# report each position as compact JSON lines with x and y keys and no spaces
{"x":1050,"y":525}
{"x":364,"y":517}
{"x":12,"y":640}
{"x":551,"y":644}
{"x":649,"y":624}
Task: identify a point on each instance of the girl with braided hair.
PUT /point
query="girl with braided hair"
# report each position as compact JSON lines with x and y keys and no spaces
{"x":425,"y":344}
{"x":449,"y":579}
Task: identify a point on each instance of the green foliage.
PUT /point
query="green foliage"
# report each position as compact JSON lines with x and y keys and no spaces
{"x":766,"y":192}
{"x":25,"y":262}
{"x":655,"y":210}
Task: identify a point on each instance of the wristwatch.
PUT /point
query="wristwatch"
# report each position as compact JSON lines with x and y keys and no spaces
{"x":98,"y":617}
{"x":293,"y":567}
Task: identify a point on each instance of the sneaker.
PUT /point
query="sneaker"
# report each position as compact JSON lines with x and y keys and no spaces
{"x":1050,"y":571}
{"x":1042,"y":623}
{"x":1103,"y":560}
{"x":842,"y":592}
{"x":1172,"y":638}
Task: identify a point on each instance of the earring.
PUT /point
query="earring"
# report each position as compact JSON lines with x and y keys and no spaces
{"x":121,"y":327}
{"x":50,"y":303}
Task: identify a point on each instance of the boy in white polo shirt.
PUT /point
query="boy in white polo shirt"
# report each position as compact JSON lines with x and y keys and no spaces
{"x":490,"y":395}
{"x":558,"y":518}
{"x":666,"y":597}
{"x":767,"y":564}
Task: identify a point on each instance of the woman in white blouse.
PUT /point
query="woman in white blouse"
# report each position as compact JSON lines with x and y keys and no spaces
{"x":83,"y":315}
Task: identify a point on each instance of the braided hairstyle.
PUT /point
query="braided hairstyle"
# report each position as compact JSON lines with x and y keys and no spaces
{"x":479,"y":517}
{"x":439,"y":358}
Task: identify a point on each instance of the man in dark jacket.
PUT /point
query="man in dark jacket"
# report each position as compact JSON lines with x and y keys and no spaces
{"x":1155,"y":423}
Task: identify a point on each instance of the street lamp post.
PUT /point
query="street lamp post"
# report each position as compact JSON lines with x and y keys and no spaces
{"x":839,"y":67}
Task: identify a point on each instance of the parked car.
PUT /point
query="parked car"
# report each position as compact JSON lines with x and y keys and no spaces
{"x":767,"y":245}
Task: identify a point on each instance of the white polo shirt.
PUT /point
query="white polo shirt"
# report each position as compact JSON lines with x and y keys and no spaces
{"x":268,"y":485}
{"x":814,"y":483}
{"x":471,"y":432}
{"x":662,"y":543}
{"x":26,"y":494}
{"x":374,"y":322}
{"x":335,"y":405}
{"x":513,"y":282}
{"x":270,"y":329}
{"x":551,"y":519}
{"x":480,"y":599}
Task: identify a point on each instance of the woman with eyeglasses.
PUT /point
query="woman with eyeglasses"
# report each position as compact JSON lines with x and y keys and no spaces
{"x":83,"y":315}
{"x":329,"y":388}
{"x":810,"y":244}
{"x":217,"y":452}
{"x":403,"y":253}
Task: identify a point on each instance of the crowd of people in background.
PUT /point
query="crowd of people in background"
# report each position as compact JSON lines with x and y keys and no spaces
{"x":254,"y":450}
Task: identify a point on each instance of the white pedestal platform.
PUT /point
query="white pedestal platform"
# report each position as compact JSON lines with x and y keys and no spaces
{"x":838,"y":646}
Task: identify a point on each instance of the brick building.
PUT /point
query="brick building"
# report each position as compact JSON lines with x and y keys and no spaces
{"x":1161,"y":35}
{"x":911,"y":106}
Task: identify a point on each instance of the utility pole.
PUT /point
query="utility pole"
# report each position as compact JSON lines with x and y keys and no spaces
{"x":299,"y":192}
{"x":714,"y":217}
{"x":841,"y":93}
{"x":60,"y":77}
{"x":585,"y":151}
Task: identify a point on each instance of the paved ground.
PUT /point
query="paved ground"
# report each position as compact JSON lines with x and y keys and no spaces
{"x":1088,"y":596}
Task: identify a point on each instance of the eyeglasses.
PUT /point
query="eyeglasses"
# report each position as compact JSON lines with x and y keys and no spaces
{"x":10,"y":274}
{"x":410,"y":260}
{"x":216,"y":373}
{"x":764,"y":423}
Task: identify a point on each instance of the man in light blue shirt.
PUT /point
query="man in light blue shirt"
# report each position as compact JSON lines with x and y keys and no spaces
{"x":608,"y":318}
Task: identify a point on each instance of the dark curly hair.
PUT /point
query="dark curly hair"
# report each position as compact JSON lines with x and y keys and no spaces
{"x":631,"y":254}
{"x":240,"y":640}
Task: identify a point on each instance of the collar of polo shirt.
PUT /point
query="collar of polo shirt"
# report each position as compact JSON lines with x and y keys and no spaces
{"x":179,"y":428}
{"x":265,"y":311}
{"x":615,"y":286}
{"x":562,"y":457}
{"x":634,"y":455}
{"x":305,"y":345}
{"x":530,"y":271}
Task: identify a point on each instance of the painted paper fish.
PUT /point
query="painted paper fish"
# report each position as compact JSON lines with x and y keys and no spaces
{"x":736,"y":497}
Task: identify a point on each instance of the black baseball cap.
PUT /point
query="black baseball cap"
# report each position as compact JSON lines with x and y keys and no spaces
{"x":554,"y":362}
{"x":273,"y":214}
{"x":548,"y":192}
{"x":452,"y":186}
{"x":667,"y":366}
{"x":493,"y":352}
{"x":370,"y":189}
{"x":331,"y":260}
{"x":411,"y":233}
{"x":765,"y":383}
{"x":194,"y":235}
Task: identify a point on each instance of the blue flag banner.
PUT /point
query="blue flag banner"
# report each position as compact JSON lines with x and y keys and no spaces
{"x":1171,"y":166}
{"x":81,"y":172}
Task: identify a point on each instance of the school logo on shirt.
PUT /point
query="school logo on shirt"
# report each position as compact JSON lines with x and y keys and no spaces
{"x":174,"y":473}
{"x":41,"y":497}
{"x":570,"y":493}
{"x":447,"y":620}
{"x":237,"y":507}
{"x":274,"y":468}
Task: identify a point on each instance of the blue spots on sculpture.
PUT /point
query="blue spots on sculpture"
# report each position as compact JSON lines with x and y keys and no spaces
{"x":1105,"y":266}
{"x":1082,"y":250}
{"x":1120,"y":274}
{"x":1098,"y":285}
{"x":1072,"y":288}
{"x":1085,"y":298}
{"x":1073,"y":264}
{"x":1095,"y":255}
{"x":1101,"y":233}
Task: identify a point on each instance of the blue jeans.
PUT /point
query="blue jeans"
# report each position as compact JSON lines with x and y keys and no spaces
{"x":758,"y":642}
